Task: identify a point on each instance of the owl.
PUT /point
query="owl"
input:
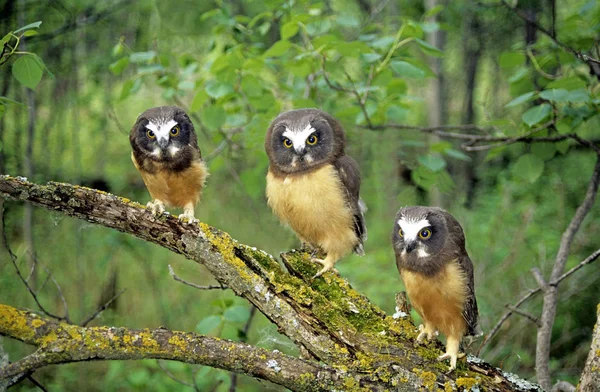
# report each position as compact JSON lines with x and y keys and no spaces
{"x":438,"y":274}
{"x":166,"y":153}
{"x":312,"y":186}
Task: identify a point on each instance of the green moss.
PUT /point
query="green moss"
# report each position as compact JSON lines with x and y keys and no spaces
{"x":466,"y":382}
{"x":428,"y":379}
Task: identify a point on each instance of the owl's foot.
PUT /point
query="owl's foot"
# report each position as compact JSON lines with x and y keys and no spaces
{"x":453,"y":358}
{"x":425,"y":331}
{"x":157,"y":207}
{"x":188,"y":217}
{"x":327,"y":266}
{"x":451,"y":353}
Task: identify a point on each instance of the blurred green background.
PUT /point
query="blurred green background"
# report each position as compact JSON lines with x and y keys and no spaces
{"x":234,"y":65}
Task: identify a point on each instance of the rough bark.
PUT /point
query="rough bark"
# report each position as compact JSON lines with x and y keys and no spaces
{"x":324,"y":317}
{"x":590,"y":377}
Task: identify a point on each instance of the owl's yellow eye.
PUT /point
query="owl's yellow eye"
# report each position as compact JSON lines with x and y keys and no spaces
{"x":401,"y":233}
{"x":287,"y":143}
{"x":425,"y":234}
{"x":175,"y":130}
{"x":312,"y":139}
{"x":150,"y":134}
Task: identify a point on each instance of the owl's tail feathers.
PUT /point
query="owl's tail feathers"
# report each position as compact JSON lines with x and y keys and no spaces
{"x":360,"y":227}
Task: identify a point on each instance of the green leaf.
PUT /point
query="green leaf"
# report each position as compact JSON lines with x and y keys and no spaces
{"x":457,"y":154}
{"x":544,"y":151}
{"x":580,"y":95}
{"x":28,"y":71}
{"x":218,"y":89}
{"x":199,"y":99}
{"x":208,"y":324}
{"x":237,"y":314}
{"x":433,"y":11}
{"x":213,"y":116}
{"x":536,"y":114}
{"x":30,"y":33}
{"x":520,"y":99}
{"x":528,"y":168}
{"x":119,"y":66}
{"x":569,"y":83}
{"x":126,"y":89}
{"x":429,"y":49}
{"x":142,"y":57}
{"x":289,"y":30}
{"x":407,"y":70}
{"x":511,"y":59}
{"x":30,"y":26}
{"x":434,"y":163}
{"x":278,"y":49}
{"x":348,"y":20}
{"x":555,"y":95}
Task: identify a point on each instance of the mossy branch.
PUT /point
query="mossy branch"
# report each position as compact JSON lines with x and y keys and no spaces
{"x":325,"y":317}
{"x":60,"y":342}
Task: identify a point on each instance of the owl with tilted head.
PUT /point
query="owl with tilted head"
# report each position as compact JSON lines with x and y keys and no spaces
{"x":313,"y":186}
{"x":437,"y":272}
{"x":165,"y":151}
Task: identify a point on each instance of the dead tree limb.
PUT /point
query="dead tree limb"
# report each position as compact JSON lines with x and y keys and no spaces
{"x":356,"y":341}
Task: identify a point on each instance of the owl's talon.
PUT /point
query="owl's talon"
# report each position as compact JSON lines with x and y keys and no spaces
{"x":453,"y":358}
{"x":156,"y":207}
{"x":327,"y":266}
{"x":425,"y":332}
{"x":187,"y":219}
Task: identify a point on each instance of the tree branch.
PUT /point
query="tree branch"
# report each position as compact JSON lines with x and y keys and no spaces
{"x":61,"y":343}
{"x":594,"y":256}
{"x":324,"y":317}
{"x":544,"y":335}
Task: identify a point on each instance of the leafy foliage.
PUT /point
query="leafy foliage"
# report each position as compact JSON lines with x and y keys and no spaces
{"x":236,"y":65}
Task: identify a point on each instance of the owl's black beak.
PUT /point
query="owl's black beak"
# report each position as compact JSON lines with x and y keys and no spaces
{"x":300,"y":150}
{"x":163,"y":142}
{"x":410,"y":246}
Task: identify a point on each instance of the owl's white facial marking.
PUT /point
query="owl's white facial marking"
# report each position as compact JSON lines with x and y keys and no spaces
{"x":156,"y":152}
{"x":298,"y":138}
{"x":308,"y":158}
{"x":411,"y":228}
{"x":173,"y":150}
{"x":422,"y":252}
{"x":161,"y":129}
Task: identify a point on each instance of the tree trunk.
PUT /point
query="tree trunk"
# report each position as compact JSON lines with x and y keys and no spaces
{"x":590,"y":377}
{"x":353,"y":342}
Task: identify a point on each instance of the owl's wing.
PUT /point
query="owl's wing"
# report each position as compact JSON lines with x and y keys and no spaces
{"x":350,"y":175}
{"x":470,"y":312}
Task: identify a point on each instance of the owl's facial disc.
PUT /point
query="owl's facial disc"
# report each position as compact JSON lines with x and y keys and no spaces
{"x":413,"y":233}
{"x":162,"y":133}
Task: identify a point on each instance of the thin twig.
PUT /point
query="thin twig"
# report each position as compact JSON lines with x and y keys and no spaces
{"x":234,"y":376}
{"x":13,"y":258}
{"x":209,"y":287}
{"x":101,"y":309}
{"x":172,"y":376}
{"x":520,"y":312}
{"x":539,"y":278}
{"x":594,"y":256}
{"x":346,"y":90}
{"x":583,"y":57}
